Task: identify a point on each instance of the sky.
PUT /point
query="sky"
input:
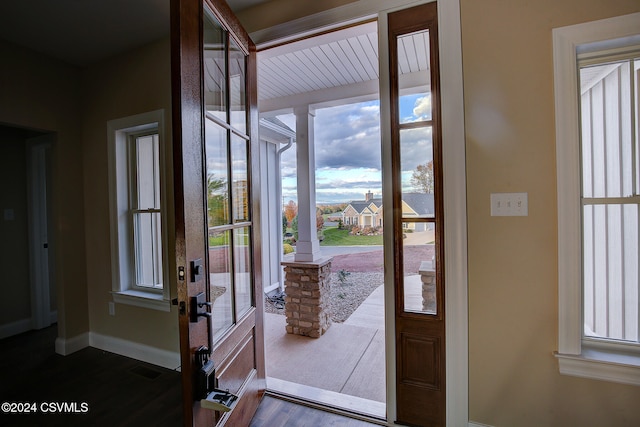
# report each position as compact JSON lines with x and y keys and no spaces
{"x":348,"y":151}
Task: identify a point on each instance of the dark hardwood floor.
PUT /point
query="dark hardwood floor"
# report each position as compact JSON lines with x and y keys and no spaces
{"x":118,"y":391}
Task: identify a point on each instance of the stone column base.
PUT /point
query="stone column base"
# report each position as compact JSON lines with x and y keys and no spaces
{"x":307,"y":286}
{"x":428,"y":276}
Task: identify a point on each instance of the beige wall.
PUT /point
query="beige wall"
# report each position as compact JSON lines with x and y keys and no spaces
{"x":47,"y":95}
{"x":15,"y":305}
{"x":135,"y":82}
{"x":513,"y":287}
{"x":513,"y":313}
{"x":42,"y":94}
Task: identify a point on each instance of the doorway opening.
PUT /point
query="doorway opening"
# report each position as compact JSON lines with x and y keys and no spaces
{"x":25,"y":160}
{"x":335,"y":76}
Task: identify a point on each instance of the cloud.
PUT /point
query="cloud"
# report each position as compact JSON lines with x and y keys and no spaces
{"x":416,"y":148}
{"x":348,"y":136}
{"x":422,"y":108}
{"x":348,"y":152}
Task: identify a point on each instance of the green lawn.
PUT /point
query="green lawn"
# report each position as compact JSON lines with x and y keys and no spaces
{"x":335,"y":237}
{"x":222,"y":239}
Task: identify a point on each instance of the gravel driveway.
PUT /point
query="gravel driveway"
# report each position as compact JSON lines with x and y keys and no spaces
{"x":372,"y":262}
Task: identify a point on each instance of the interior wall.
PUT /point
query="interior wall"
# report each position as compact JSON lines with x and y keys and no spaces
{"x":15,"y":305}
{"x":510,"y":147}
{"x":135,"y":82}
{"x":40,"y":93}
{"x":513,"y":285}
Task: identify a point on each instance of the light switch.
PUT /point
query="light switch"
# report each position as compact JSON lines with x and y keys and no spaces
{"x":9,"y":215}
{"x":509,"y":204}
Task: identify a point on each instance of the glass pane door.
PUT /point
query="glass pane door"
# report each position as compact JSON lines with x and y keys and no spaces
{"x":227,"y":178}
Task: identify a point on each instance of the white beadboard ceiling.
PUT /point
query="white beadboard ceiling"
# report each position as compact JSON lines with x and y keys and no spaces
{"x":334,"y":68}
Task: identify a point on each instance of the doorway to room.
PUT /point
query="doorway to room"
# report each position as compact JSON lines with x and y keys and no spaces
{"x":25,"y":216}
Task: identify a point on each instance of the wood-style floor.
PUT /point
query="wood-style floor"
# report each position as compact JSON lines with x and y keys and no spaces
{"x":118,"y":391}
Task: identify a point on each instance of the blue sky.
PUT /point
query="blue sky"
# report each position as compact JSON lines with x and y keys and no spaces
{"x":348,"y":162}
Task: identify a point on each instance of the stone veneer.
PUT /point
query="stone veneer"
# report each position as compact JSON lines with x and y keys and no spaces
{"x":307,"y":286}
{"x":428,"y":276}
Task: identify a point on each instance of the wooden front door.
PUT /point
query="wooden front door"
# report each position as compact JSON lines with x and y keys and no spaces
{"x":417,"y":215}
{"x":216,"y":209}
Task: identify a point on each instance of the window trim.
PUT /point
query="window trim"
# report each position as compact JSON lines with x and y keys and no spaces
{"x":123,"y":290}
{"x":574,"y":357}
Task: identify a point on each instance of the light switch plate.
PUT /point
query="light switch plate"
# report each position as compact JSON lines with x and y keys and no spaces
{"x":509,"y":204}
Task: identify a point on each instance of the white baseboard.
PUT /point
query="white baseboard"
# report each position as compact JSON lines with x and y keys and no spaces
{"x":142,"y":352}
{"x":145,"y":353}
{"x":15,"y":328}
{"x":66,"y":346}
{"x":473,"y":424}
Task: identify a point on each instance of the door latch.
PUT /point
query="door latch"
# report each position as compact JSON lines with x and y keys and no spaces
{"x":197,"y":270}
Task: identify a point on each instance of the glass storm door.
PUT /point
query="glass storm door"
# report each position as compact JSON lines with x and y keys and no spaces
{"x":217,"y":242}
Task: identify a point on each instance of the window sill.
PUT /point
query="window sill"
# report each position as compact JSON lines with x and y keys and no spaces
{"x":149,"y":300}
{"x":602,"y":365}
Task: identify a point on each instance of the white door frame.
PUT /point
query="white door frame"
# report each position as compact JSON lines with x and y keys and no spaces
{"x":38,"y":176}
{"x":455,"y":203}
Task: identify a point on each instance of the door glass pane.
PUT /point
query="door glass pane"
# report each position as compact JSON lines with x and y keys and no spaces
{"x":220,"y":280}
{"x":217,"y":174}
{"x":215,"y":98}
{"x":414,"y":79}
{"x":418,"y":181}
{"x":242,"y":252}
{"x":419,"y":267}
{"x":240,"y":175}
{"x":237,"y":85}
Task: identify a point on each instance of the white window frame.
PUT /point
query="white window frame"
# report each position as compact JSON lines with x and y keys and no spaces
{"x":575,"y":356}
{"x":124,"y":290}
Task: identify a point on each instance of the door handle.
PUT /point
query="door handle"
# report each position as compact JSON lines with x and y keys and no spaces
{"x":200,"y":307}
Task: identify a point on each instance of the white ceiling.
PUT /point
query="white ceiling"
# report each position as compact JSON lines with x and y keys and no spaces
{"x":335,"y":68}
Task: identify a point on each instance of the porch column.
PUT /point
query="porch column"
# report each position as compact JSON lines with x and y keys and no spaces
{"x":307,"y":245}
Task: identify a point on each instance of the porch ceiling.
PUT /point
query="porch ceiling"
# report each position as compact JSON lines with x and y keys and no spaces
{"x":333,"y":68}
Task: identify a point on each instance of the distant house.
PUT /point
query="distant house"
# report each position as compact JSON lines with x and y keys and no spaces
{"x":369,"y":212}
{"x":365,"y":213}
{"x":418,"y":205}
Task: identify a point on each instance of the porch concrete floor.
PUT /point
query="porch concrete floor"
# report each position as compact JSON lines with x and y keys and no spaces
{"x":348,"y":358}
{"x":345,"y":367}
